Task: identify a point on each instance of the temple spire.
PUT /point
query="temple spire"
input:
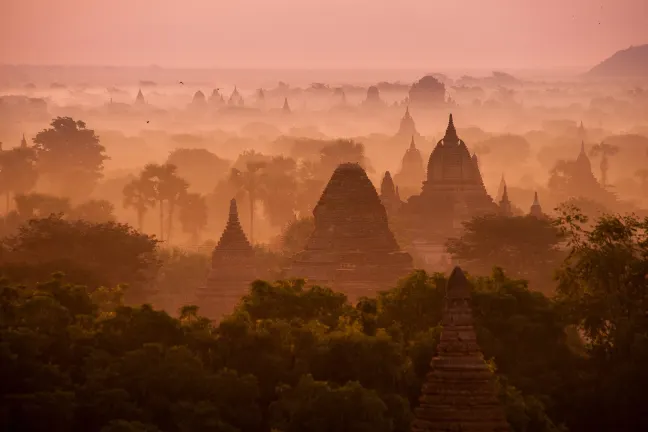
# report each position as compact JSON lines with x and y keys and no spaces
{"x":286,"y":107}
{"x":505,"y":203}
{"x":451,"y":132}
{"x":412,"y":144}
{"x":459,"y":392}
{"x":23,"y":142}
{"x":536,"y":209}
{"x":233,"y":237}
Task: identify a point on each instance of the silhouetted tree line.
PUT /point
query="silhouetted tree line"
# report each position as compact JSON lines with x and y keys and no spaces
{"x":294,"y":357}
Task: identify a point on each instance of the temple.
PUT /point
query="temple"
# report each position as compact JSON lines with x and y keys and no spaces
{"x":233,"y":268}
{"x":536,"y":209}
{"x":505,"y":207}
{"x":459,"y":393}
{"x":23,"y":142}
{"x":286,"y":108}
{"x":216,"y":99}
{"x":500,"y":189}
{"x":352,"y":248}
{"x":411,"y":174}
{"x":235,"y":98}
{"x":389,"y":195}
{"x":139,"y":99}
{"x":373,"y":98}
{"x":452,"y":192}
{"x":407,"y":127}
{"x":199,"y":100}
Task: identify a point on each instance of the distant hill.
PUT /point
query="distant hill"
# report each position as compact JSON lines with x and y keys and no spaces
{"x":631,"y":62}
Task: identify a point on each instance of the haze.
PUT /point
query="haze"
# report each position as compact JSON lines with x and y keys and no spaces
{"x":463,"y":34}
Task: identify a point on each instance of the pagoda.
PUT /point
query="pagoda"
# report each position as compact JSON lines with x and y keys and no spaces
{"x":216,"y":99}
{"x":459,"y":393}
{"x":23,"y":142}
{"x":351,"y":248}
{"x":536,"y":209}
{"x":235,"y":98}
{"x":233,"y":268}
{"x":199,"y":100}
{"x":505,"y":206}
{"x":500,"y":189}
{"x":412,"y":173}
{"x":373,"y":99}
{"x":286,"y":108}
{"x":389,"y":195}
{"x":139,"y":99}
{"x":407,"y":126}
{"x":453,"y":189}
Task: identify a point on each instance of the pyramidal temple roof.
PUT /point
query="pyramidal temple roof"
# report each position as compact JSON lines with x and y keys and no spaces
{"x":233,"y":237}
{"x":459,"y":392}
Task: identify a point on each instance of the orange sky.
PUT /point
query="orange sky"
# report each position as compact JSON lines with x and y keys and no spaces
{"x":392,"y":34}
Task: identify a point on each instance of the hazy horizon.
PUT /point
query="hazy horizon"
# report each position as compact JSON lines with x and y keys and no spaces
{"x":339,"y":35}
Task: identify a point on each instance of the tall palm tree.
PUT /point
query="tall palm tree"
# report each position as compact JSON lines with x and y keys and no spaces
{"x":605,"y":151}
{"x":137,"y":197}
{"x":163,"y":185}
{"x":248,"y":181}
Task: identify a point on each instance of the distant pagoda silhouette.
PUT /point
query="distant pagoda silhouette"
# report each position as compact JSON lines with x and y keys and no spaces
{"x":233,"y":268}
{"x":412,"y":172}
{"x":352,"y":248}
{"x":459,"y":392}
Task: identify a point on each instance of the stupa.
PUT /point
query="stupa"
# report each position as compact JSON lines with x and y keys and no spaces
{"x":505,"y":206}
{"x":199,"y":100}
{"x":459,"y":392}
{"x":536,"y":209}
{"x":235,"y":98}
{"x":23,"y":142}
{"x":351,"y":248}
{"x":453,"y":188}
{"x":373,"y":98}
{"x":286,"y":108}
{"x":412,"y":173}
{"x":389,"y":195}
{"x":139,"y":99}
{"x":216,"y":99}
{"x":232,"y":270}
{"x":407,"y":126}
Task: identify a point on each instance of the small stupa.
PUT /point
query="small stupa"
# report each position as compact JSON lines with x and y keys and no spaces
{"x":536,"y":209}
{"x":351,"y":248}
{"x":139,"y":99}
{"x":459,"y":392}
{"x":216,"y":99}
{"x":235,"y":98}
{"x":233,"y":268}
{"x":505,"y":207}
{"x":286,"y":108}
{"x":23,"y":142}
{"x":389,"y":195}
{"x":412,"y":171}
{"x":407,"y":126}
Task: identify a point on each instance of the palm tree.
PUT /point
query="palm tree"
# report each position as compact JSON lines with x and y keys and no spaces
{"x":162,"y":184}
{"x":138,"y":198}
{"x":193,"y":215}
{"x":604,"y":150}
{"x":248,"y":181}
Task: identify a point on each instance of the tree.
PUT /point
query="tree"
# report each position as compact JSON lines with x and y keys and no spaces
{"x":193,"y":215}
{"x":528,"y":247}
{"x":249,"y":181}
{"x":279,"y":179}
{"x":139,"y":195}
{"x":605,"y":151}
{"x":96,"y":211}
{"x":18,"y":173}
{"x":604,"y":286}
{"x":200,"y":167}
{"x":296,"y":234}
{"x":70,"y":157}
{"x":92,"y":254}
{"x":163,"y":185}
{"x":37,"y":205}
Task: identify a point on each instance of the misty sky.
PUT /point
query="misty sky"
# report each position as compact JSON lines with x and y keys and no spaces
{"x":320,"y":33}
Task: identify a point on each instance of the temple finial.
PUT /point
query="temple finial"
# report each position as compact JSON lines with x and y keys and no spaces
{"x":412,"y":144}
{"x":23,"y":142}
{"x":451,"y":132}
{"x":535,"y":199}
{"x":233,"y":211}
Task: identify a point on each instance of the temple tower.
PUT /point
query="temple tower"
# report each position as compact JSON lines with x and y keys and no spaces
{"x":199,"y":100}
{"x":459,"y":392}
{"x":506,"y":209}
{"x":23,"y":142}
{"x":536,"y":209}
{"x":453,"y":188}
{"x":235,"y":98}
{"x":216,"y":99}
{"x":286,"y":108}
{"x":352,"y":248}
{"x":139,"y":99}
{"x":500,"y":189}
{"x":389,"y":195}
{"x":407,"y":126}
{"x":232,"y":270}
{"x":412,"y":172}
